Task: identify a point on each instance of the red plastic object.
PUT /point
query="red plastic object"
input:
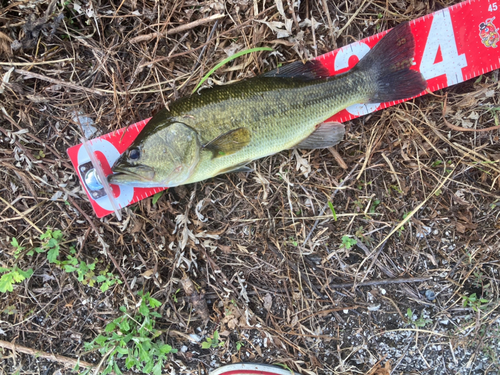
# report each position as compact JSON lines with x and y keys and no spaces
{"x":250,"y":369}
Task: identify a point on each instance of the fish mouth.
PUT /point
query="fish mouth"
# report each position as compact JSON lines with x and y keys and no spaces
{"x":135,"y":175}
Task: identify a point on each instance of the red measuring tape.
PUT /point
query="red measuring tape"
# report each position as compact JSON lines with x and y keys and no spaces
{"x":452,"y":45}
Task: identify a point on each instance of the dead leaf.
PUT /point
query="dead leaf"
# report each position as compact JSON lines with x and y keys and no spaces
{"x":379,"y":370}
{"x":277,"y":27}
{"x":225,"y":249}
{"x":268,"y":302}
{"x":148,"y":274}
{"x":5,"y":42}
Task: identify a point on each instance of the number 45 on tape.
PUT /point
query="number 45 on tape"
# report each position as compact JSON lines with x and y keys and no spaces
{"x":452,"y":45}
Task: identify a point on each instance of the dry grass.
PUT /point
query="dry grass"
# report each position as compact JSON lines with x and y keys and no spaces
{"x":421,"y":200}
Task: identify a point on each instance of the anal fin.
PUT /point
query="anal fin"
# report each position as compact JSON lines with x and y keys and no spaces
{"x":237,"y":168}
{"x":327,"y":134}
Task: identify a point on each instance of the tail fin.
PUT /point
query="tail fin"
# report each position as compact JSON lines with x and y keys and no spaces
{"x":389,"y":64}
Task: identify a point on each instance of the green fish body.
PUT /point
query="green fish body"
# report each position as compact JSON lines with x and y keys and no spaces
{"x":222,"y":129}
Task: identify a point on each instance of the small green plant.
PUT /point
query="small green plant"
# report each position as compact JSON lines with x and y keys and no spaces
{"x":51,"y":242}
{"x":134,"y":339}
{"x":293,"y":242}
{"x":228,"y":59}
{"x":374,"y":205}
{"x":156,"y":197}
{"x":239,"y":345}
{"x":420,"y":322}
{"x":330,"y":204}
{"x":213,"y":342}
{"x":11,"y":276}
{"x":18,"y":249}
{"x":474,"y":302}
{"x":348,"y":242}
{"x":174,"y":295}
{"x":396,"y":188}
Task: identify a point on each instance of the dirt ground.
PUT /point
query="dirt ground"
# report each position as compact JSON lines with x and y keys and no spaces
{"x":402,"y":278}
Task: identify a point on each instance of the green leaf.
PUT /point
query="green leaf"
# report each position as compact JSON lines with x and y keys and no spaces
{"x":143,"y":309}
{"x":157,"y":196}
{"x":228,"y":59}
{"x":124,"y":325}
{"x":348,"y":242}
{"x":104,"y":287}
{"x":330,"y":204}
{"x":68,"y":268}
{"x":157,"y":368}
{"x":117,"y":369}
{"x":154,"y":302}
{"x":25,"y":274}
{"x":206,"y":344}
{"x":57,"y":235}
{"x":100,"y":339}
{"x":149,"y":365}
{"x":122,"y":350}
{"x":110,"y":327}
{"x":47,"y":234}
{"x":53,"y":243}
{"x":16,"y":275}
{"x":53,"y":254}
{"x":130,"y":362}
{"x":6,"y":282}
{"x":165,"y":349}
{"x":409,"y":313}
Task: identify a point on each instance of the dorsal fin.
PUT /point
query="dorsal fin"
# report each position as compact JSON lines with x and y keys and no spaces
{"x":298,"y":70}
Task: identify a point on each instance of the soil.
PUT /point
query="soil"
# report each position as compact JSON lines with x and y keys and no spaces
{"x":257,"y":257}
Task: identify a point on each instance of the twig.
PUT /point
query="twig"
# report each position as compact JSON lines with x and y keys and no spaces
{"x":35,"y":63}
{"x":330,"y":25}
{"x":383,"y":282}
{"x":460,"y":129}
{"x":338,"y":158}
{"x":21,"y":215}
{"x":176,"y":30}
{"x":70,"y":362}
{"x":57,"y":82}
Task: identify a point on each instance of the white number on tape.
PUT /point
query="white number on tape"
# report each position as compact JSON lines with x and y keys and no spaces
{"x":441,"y":37}
{"x":342,"y":61}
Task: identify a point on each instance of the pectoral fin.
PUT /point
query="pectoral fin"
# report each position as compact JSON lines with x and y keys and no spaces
{"x":230,"y":142}
{"x":327,"y":134}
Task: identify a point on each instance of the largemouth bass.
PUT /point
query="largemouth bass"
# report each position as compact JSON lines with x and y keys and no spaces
{"x":224,"y":128}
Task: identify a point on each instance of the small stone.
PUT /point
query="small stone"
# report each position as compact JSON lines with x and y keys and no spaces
{"x":430,"y":295}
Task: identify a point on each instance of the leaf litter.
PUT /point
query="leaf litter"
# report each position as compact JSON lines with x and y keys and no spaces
{"x":257,"y":254}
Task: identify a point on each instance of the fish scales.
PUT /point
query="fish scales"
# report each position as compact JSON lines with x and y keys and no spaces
{"x":222,"y":129}
{"x":279,"y":113}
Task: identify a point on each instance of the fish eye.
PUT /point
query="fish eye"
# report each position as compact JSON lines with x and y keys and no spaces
{"x":134,"y":154}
